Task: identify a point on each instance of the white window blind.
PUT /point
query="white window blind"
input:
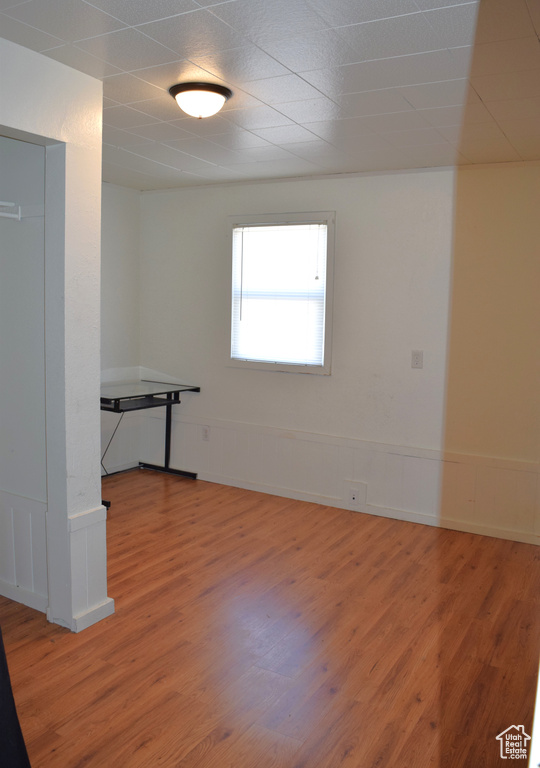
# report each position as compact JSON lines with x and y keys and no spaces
{"x":279,"y":293}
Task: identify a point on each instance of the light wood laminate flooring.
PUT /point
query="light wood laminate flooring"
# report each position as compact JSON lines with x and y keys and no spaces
{"x":253,"y":631}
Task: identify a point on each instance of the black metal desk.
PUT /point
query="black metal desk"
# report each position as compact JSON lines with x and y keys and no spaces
{"x":126,"y":396}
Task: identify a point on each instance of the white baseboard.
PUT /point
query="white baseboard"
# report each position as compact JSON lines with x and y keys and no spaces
{"x":31,"y":599}
{"x":287,"y":493}
{"x":401,"y":514}
{"x":478,"y":494}
{"x":92,"y":616}
{"x":525,"y":537}
{"x":119,"y":468}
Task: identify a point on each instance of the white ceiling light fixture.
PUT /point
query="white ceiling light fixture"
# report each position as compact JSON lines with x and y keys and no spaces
{"x":200,"y":99}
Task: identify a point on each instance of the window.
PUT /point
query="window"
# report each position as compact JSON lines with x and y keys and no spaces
{"x":281,"y":292}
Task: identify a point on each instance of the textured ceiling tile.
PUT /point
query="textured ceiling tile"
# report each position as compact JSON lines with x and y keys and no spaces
{"x":333,"y":81}
{"x":489,"y":151}
{"x":316,"y":151}
{"x":457,"y":115}
{"x":240,"y":65}
{"x":416,"y":138}
{"x":452,"y":133}
{"x":177,"y":71}
{"x":128,"y":49}
{"x":350,"y":134}
{"x":431,"y":156}
{"x":219,"y":173}
{"x":261,"y":21}
{"x":506,"y":56}
{"x":455,"y":26}
{"x":527,"y":148}
{"x":534,"y":10}
{"x":8,"y":4}
{"x":292,"y":166}
{"x":210,"y":3}
{"x":432,"y":66}
{"x":402,"y":66}
{"x":529,"y":129}
{"x":444,"y":116}
{"x":139,"y":163}
{"x":374,"y":102}
{"x":263,"y":154}
{"x":124,"y":88}
{"x":212,"y":126}
{"x":240,"y":100}
{"x":523,"y":135}
{"x":117,"y":137}
{"x":125,"y":117}
{"x":73,"y":57}
{"x":239,"y":139}
{"x":443,"y":94}
{"x":285,"y":134}
{"x":314,"y":50}
{"x":22,"y":34}
{"x":205,"y":150}
{"x":68,"y":21}
{"x":395,"y":121}
{"x":477,"y":132}
{"x":510,"y":85}
{"x":170,"y":157}
{"x":257,"y":117}
{"x":162,"y":108}
{"x":165,"y":132}
{"x":399,"y":36}
{"x":193,"y":34}
{"x":282,"y":89}
{"x":333,"y":130}
{"x":312,"y":110}
{"x":355,"y":12}
{"x":125,"y":177}
{"x":501,"y":20}
{"x":428,"y":5}
{"x":135,"y":12}
{"x":379,"y":159}
{"x":514,"y":109}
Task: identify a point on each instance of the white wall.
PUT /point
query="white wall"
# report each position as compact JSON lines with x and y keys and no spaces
{"x":393,"y":246}
{"x":306,"y":436}
{"x":120,"y":317}
{"x":492,"y":436}
{"x":46,"y":103}
{"x":120,"y":280}
{"x":375,"y":427}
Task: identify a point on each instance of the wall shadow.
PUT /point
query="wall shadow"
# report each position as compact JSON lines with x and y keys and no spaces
{"x":490,"y":478}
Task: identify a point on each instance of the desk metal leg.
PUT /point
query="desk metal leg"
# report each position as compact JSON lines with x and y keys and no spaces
{"x":168,"y":419}
{"x":166,"y":466}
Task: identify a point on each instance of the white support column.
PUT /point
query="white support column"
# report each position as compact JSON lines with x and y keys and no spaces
{"x":46,"y":103}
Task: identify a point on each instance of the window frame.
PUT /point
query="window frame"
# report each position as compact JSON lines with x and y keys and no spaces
{"x":279,"y":219}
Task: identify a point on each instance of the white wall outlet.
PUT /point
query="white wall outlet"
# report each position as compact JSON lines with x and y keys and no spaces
{"x":205,"y":433}
{"x":417,"y":358}
{"x":355,"y":495}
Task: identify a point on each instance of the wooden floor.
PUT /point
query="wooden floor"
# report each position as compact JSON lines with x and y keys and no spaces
{"x":254,"y":631}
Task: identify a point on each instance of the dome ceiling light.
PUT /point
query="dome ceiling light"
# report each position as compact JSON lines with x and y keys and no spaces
{"x":200,"y":99}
